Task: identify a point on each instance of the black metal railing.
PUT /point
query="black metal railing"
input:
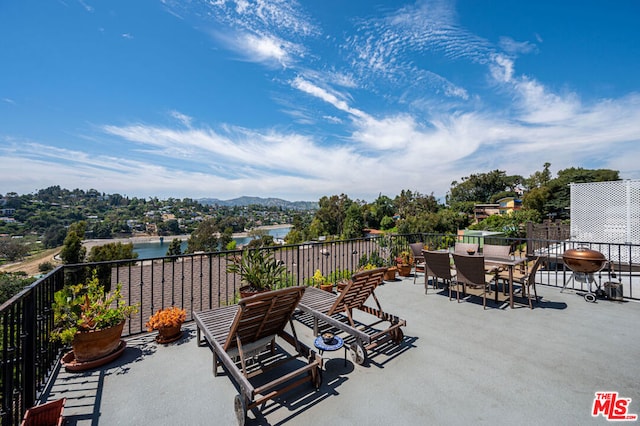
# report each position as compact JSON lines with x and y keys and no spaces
{"x":199,"y":281}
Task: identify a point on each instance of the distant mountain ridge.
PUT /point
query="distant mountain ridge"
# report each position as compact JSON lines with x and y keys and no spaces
{"x":269,"y":202}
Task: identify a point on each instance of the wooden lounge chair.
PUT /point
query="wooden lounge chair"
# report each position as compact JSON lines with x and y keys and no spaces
{"x":243,"y":331}
{"x":337,"y":311}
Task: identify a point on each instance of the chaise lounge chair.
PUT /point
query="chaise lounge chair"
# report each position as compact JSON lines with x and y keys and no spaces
{"x":243,"y":331}
{"x":337,"y":311}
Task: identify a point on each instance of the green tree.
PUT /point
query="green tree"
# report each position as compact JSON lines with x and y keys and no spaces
{"x":331,"y":214}
{"x":12,"y":283}
{"x":353,"y":226}
{"x":112,"y":251}
{"x":265,"y":240}
{"x":54,"y":236}
{"x":175,"y":248}
{"x":13,"y":249}
{"x":377,"y":211}
{"x":72,"y":249}
{"x":555,"y":196}
{"x":204,"y":238}
{"x":481,"y":187}
{"x":226,"y":237}
{"x":109,"y":252}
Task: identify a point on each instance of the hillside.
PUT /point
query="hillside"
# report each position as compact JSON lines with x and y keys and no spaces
{"x":268,"y":202}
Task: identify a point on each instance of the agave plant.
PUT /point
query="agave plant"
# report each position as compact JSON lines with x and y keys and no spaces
{"x":258,"y":269}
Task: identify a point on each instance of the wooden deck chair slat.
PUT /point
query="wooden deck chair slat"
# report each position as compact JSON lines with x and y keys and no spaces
{"x":263,"y":315}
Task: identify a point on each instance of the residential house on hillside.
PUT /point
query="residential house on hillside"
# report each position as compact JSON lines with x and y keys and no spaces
{"x":483,"y":211}
{"x":504,"y":205}
{"x":509,"y":204}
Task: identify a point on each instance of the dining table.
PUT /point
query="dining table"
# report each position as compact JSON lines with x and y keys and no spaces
{"x":510,"y":263}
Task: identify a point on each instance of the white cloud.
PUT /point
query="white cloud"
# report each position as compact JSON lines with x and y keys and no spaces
{"x":325,"y":95}
{"x":501,"y":68}
{"x":182,"y":118}
{"x":513,"y":47}
{"x":264,"y":48}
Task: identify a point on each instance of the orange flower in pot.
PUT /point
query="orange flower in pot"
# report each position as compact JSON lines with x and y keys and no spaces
{"x":168,"y":322}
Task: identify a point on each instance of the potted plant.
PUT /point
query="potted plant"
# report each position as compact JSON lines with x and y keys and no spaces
{"x":342,"y":278}
{"x":168,"y":322}
{"x":91,"y":320}
{"x":321,"y":281}
{"x":258,"y":270}
{"x":404,"y":262}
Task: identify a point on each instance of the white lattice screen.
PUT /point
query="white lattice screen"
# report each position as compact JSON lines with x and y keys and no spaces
{"x":607,"y":212}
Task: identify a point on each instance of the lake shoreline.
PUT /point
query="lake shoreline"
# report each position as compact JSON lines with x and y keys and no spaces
{"x":141,"y":239}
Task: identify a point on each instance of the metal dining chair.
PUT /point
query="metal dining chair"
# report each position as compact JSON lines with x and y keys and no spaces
{"x":418,"y":258}
{"x":526,"y":278}
{"x":438,"y":266}
{"x":465,"y":248}
{"x":470,"y":272}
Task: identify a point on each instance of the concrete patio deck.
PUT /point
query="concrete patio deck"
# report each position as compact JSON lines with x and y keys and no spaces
{"x":458,"y":364}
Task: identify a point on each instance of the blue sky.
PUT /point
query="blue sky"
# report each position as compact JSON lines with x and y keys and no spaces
{"x":303,"y":99}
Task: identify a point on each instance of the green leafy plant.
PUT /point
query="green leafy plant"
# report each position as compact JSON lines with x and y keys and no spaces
{"x":258,"y":269}
{"x":404,"y":258}
{"x":318,"y":279}
{"x":85,"y":307}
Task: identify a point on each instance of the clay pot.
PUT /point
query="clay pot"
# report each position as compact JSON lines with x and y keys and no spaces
{"x":326,"y":287}
{"x":390,"y":273}
{"x":247,"y":291}
{"x":169,"y":334}
{"x":96,"y":344}
{"x":404,"y":270}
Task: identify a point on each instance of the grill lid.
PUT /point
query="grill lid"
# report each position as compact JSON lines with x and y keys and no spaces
{"x":584,"y":260}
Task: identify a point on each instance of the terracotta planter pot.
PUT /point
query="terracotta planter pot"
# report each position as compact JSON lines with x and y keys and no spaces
{"x":342,"y":285}
{"x":96,"y":344}
{"x":246,"y":291}
{"x":390,"y":274}
{"x":404,"y":270}
{"x":49,"y":413}
{"x":169,"y":334}
{"x":326,"y":287}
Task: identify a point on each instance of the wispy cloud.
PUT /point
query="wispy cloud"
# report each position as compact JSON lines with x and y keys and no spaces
{"x":419,"y":127}
{"x":260,"y":31}
{"x":511,"y":46}
{"x":386,"y":46}
{"x":325,"y":95}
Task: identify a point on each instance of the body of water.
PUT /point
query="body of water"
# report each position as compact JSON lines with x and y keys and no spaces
{"x":157,"y":249}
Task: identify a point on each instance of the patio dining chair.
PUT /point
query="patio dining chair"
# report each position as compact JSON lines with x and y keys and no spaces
{"x":465,"y":248}
{"x":438,"y":266}
{"x":495,"y":250}
{"x":418,"y":258}
{"x":526,"y":278}
{"x":470,"y":272}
